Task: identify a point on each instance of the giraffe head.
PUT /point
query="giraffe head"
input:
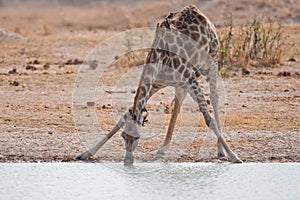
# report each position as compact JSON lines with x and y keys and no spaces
{"x":131,"y":134}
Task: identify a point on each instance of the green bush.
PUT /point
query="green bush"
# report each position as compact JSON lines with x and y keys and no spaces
{"x":259,"y":43}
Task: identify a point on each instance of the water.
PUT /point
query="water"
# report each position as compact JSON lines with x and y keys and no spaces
{"x":150,"y":181}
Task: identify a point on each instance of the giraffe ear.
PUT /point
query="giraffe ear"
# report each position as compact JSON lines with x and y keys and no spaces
{"x":157,"y":25}
{"x":145,"y":115}
{"x":171,"y":15}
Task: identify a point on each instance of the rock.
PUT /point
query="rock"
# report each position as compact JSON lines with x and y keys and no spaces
{"x":6,"y":35}
{"x":30,"y":67}
{"x":77,"y":62}
{"x":284,"y":73}
{"x":14,"y":83}
{"x":245,"y":71}
{"x":69,"y":62}
{"x":74,"y":62}
{"x":292,"y":59}
{"x":13,"y":71}
{"x":46,"y":66}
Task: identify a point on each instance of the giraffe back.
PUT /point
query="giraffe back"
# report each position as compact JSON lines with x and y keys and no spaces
{"x":173,"y":49}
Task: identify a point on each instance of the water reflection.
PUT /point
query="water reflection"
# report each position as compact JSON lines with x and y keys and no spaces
{"x":169,"y":179}
{"x":150,"y":181}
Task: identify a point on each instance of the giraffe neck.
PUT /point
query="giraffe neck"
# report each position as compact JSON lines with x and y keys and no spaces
{"x":139,"y":105}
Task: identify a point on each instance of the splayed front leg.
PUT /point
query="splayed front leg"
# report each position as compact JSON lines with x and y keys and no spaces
{"x":94,"y":149}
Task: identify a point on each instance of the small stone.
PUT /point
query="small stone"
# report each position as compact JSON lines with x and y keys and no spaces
{"x":272,"y":158}
{"x":167,"y":110}
{"x":30,"y":67}
{"x":46,"y":66}
{"x":14,"y":83}
{"x":13,"y":71}
{"x":69,"y":62}
{"x":292,"y":59}
{"x":77,"y":62}
{"x":284,"y":73}
{"x":90,"y":103}
{"x":245,"y":71}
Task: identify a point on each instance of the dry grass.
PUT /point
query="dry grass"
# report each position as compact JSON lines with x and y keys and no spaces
{"x":262,"y":42}
{"x":260,"y":121}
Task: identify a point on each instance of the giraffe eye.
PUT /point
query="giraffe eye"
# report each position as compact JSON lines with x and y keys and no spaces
{"x":134,"y":117}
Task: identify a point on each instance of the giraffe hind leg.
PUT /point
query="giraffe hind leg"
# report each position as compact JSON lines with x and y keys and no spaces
{"x":198,"y":96}
{"x":215,"y":103}
{"x":180,"y":95}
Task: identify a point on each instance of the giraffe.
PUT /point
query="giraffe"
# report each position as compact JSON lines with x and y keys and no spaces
{"x":185,"y":46}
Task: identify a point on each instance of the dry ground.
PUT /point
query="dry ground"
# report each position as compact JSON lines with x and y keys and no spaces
{"x":38,"y":73}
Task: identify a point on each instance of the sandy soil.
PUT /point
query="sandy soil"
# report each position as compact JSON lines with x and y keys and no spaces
{"x":38,"y":73}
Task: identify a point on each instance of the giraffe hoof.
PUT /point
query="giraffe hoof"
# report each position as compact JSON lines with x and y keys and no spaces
{"x":236,"y":160}
{"x":221,"y":154}
{"x":84,"y":156}
{"x":79,"y":157}
{"x":161,"y":151}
